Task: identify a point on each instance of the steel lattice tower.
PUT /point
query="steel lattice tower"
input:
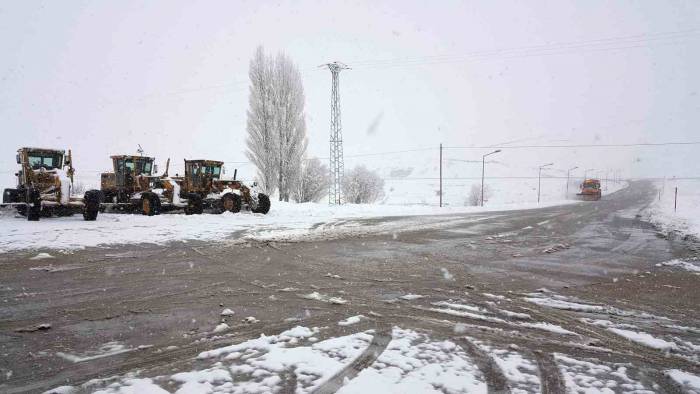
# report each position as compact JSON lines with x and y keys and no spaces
{"x":337,"y":167}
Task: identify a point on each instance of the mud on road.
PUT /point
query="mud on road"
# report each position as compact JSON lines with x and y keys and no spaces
{"x":557,"y":287}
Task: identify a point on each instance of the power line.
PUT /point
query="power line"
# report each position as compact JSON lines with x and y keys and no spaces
{"x":533,"y":50}
{"x":577,"y":145}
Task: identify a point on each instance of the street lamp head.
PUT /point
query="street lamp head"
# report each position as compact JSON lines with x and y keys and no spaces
{"x":496,"y":151}
{"x":546,"y":165}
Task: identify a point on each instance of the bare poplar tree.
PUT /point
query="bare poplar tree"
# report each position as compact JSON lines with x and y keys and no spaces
{"x":262,"y":141}
{"x":289,"y":123}
{"x":276,"y":122}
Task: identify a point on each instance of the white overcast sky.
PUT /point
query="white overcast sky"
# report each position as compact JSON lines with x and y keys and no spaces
{"x":101,"y":76}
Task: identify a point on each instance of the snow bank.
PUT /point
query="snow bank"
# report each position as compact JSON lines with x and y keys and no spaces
{"x":686,"y":217}
{"x":686,"y":265}
{"x":684,"y":379}
{"x":644,"y":339}
{"x":285,"y":221}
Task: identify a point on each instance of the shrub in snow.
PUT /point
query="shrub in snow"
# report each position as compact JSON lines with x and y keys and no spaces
{"x":362,"y":186}
{"x":474,"y":197}
{"x":313,"y":182}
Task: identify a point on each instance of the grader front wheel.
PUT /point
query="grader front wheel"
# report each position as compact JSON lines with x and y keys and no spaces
{"x":231,"y":203}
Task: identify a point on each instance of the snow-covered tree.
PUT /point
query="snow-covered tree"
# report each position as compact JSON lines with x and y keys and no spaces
{"x":313,"y":182}
{"x":276,"y":124}
{"x":362,"y":186}
{"x":262,"y":141}
{"x":289,"y":123}
{"x":474,"y":198}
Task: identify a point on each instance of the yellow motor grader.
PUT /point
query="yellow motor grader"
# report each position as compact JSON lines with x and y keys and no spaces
{"x":133,"y":187}
{"x":45,"y":185}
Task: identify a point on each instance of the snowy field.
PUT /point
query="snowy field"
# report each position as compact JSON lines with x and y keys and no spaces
{"x":686,"y":217}
{"x":285,"y":221}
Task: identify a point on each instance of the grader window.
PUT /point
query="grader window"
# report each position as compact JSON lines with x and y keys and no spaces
{"x":214,"y":171}
{"x":48,"y":162}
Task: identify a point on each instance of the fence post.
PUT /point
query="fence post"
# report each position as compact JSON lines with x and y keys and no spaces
{"x":675,"y":200}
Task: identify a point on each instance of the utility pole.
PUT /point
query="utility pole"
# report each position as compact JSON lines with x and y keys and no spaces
{"x":441,"y":175}
{"x":567,"y":180}
{"x":539,"y":180}
{"x":483,"y":164}
{"x":337,"y":166}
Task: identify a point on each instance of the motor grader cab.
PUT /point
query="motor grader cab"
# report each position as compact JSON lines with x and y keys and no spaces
{"x":590,"y":190}
{"x":200,"y":175}
{"x":132,"y":185}
{"x":131,"y":175}
{"x":45,"y":184}
{"x":203,"y":178}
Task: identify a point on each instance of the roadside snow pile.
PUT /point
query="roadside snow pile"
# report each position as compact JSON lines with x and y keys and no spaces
{"x":412,"y":363}
{"x":316,"y":296}
{"x":559,"y":302}
{"x":41,"y":256}
{"x":549,"y":327}
{"x":686,"y":265}
{"x":644,"y":339}
{"x":688,"y":381}
{"x":686,"y":217}
{"x":411,"y":297}
{"x":351,"y":320}
{"x":284,"y":221}
{"x":106,"y":350}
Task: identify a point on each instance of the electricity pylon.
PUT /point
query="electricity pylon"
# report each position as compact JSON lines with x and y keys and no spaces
{"x":337,"y":167}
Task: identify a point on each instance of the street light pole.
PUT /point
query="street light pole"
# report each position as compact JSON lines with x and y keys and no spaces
{"x":483,"y":163}
{"x":567,"y":180}
{"x":539,"y":180}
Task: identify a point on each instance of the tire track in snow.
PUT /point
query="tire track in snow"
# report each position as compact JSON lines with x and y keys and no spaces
{"x":551,"y":380}
{"x":496,"y":381}
{"x":380,"y":340}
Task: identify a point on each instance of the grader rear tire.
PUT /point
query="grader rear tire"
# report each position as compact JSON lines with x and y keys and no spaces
{"x":263,"y":204}
{"x":91,"y":204}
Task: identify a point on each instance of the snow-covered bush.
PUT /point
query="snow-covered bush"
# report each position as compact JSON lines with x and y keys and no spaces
{"x":362,"y":186}
{"x":474,"y":197}
{"x":313,"y":182}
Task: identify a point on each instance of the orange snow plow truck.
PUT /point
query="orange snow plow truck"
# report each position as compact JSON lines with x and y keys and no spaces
{"x":590,"y":190}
